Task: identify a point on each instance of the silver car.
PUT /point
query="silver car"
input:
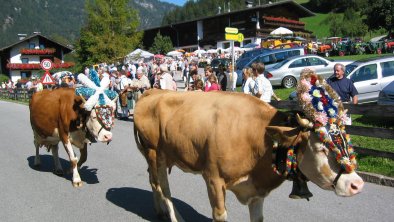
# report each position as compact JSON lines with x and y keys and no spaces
{"x":287,"y":72}
{"x":386,"y":96}
{"x":370,"y":76}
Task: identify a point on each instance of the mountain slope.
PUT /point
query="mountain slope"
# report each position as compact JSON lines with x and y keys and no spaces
{"x":60,"y":19}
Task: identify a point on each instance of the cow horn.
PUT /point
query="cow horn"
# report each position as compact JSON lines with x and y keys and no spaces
{"x":304,"y":122}
{"x":83,"y":99}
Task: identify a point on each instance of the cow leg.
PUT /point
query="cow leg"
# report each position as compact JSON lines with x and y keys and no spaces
{"x":154,"y":182}
{"x":84,"y":155}
{"x":55,"y":154}
{"x":166,"y":193}
{"x":37,"y":159}
{"x":217,"y":195}
{"x":73,"y":160}
{"x":256,"y":210}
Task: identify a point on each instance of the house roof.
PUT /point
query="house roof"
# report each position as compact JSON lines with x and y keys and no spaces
{"x":67,"y":49}
{"x":304,"y":12}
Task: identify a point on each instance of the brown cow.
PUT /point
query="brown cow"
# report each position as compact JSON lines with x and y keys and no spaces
{"x":228,"y":138}
{"x":60,"y":116}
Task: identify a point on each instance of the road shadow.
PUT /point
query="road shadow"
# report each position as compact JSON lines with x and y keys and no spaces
{"x":140,"y":202}
{"x":88,"y":175}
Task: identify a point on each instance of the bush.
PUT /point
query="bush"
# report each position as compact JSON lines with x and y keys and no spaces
{"x":3,"y":78}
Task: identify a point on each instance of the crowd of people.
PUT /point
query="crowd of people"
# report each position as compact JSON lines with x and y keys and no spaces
{"x":130,"y":80}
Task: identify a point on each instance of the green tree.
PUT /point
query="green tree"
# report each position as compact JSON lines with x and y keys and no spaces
{"x":379,"y":14}
{"x":353,"y":25}
{"x":109,"y":33}
{"x":334,"y":22}
{"x":161,"y":44}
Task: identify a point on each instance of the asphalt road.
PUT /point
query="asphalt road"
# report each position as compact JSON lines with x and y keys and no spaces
{"x":116,"y":186}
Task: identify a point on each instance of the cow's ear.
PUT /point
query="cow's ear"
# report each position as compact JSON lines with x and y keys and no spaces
{"x":283,"y":135}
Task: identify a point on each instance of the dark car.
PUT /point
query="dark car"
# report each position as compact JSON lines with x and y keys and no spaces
{"x":216,"y":62}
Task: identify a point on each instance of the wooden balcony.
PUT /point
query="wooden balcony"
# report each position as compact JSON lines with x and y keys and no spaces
{"x":47,"y":51}
{"x":35,"y":66}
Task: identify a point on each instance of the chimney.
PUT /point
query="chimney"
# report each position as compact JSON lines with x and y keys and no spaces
{"x":249,"y":4}
{"x":22,"y":36}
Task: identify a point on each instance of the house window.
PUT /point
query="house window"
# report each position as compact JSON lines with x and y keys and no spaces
{"x":32,"y":45}
{"x":42,"y":46}
{"x":25,"y":74}
{"x":25,"y":60}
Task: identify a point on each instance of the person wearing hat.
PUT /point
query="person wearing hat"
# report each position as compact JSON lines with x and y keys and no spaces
{"x":166,"y":80}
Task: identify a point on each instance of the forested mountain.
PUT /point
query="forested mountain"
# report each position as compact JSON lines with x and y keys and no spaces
{"x":62,"y":19}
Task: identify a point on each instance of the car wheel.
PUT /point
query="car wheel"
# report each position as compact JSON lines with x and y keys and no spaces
{"x":289,"y":82}
{"x":327,"y":54}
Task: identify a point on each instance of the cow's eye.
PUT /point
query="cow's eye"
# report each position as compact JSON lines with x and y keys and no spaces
{"x":324,"y":150}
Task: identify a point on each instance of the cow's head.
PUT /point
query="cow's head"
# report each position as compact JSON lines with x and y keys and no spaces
{"x":324,"y":155}
{"x":99,"y":104}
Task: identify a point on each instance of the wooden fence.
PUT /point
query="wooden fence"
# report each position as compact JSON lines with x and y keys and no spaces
{"x":362,"y":109}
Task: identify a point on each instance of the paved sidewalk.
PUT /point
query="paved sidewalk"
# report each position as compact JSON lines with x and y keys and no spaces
{"x":377,"y":179}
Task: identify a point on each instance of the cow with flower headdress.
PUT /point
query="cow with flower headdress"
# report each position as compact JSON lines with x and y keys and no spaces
{"x":250,"y":149}
{"x":73,"y":117}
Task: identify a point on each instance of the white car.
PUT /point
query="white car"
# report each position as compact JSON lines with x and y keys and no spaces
{"x":287,"y":72}
{"x":370,"y":76}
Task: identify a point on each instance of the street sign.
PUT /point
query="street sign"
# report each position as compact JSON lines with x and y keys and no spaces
{"x":46,"y":64}
{"x":231,"y":30}
{"x":240,"y":37}
{"x":235,"y":37}
{"x":47,"y":79}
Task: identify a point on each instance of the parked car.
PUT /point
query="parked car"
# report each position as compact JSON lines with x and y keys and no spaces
{"x":254,"y":53}
{"x":269,"y":58}
{"x":370,"y":76}
{"x":216,"y":62}
{"x":386,"y":96}
{"x":287,"y":72}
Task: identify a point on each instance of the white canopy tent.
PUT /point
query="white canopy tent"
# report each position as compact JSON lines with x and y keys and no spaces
{"x":282,"y":31}
{"x":138,"y":54}
{"x":174,"y":53}
{"x":212,"y":51}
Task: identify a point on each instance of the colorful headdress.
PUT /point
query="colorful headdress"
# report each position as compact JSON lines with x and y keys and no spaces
{"x":95,"y":91}
{"x":322,"y":105}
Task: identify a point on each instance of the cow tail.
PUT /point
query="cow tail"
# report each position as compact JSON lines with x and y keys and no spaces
{"x":139,"y":141}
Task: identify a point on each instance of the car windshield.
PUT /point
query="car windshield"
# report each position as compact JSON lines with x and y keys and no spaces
{"x":350,"y":68}
{"x":241,"y":63}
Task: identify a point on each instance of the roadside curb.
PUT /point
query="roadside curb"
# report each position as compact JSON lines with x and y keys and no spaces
{"x":376,"y":178}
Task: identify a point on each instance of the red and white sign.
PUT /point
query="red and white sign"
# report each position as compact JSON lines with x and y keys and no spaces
{"x":47,"y":79}
{"x":46,"y":64}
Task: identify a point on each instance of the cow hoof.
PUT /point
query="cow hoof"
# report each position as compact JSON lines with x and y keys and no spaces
{"x":77,"y":184}
{"x":58,"y":172}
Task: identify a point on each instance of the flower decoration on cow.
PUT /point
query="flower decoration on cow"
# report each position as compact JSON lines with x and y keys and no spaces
{"x":322,"y":105}
{"x":97,"y":97}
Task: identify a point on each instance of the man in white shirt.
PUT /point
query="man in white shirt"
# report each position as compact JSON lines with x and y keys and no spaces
{"x":262,"y":88}
{"x":166,"y":79}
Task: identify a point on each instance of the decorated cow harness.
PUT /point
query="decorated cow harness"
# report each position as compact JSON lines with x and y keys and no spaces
{"x":98,"y":98}
{"x":323,"y":107}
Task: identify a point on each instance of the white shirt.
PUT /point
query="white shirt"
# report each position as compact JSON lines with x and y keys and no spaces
{"x":166,"y":81}
{"x":248,"y":86}
{"x":233,"y":80}
{"x":124,"y":82}
{"x":264,"y":87}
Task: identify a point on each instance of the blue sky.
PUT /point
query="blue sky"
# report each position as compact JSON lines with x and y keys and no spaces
{"x":176,"y":2}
